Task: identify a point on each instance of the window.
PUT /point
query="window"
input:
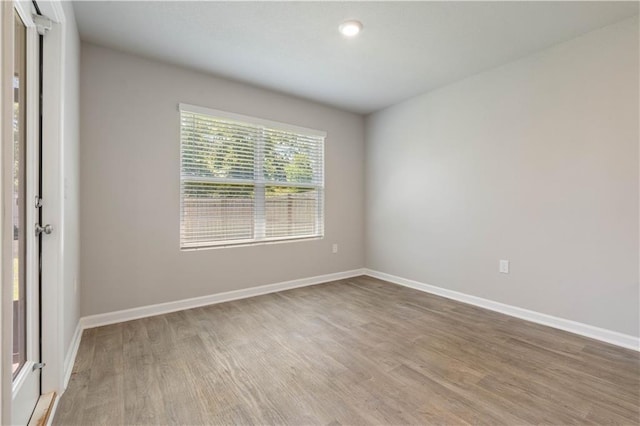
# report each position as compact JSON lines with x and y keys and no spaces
{"x":245,"y":180}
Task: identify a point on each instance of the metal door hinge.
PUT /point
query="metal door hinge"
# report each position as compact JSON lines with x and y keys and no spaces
{"x":43,"y":24}
{"x":38,"y":366}
{"x":38,"y":202}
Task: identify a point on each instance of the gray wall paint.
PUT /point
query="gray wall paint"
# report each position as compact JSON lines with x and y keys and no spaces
{"x":535,"y":162}
{"x":130,"y":186}
{"x":70,"y":179}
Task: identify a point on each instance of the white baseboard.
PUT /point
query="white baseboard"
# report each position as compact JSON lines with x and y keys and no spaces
{"x":70,"y":358}
{"x":613,"y":337}
{"x":179,"y":305}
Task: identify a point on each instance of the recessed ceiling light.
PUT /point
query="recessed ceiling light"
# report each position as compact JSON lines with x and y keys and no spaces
{"x":350,"y":28}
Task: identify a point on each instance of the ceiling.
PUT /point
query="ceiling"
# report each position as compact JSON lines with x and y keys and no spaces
{"x":405,"y":48}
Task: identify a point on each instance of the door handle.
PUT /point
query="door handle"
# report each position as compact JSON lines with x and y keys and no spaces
{"x":47,"y":229}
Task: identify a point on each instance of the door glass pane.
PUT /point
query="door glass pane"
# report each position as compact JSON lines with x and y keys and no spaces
{"x":19,"y":193}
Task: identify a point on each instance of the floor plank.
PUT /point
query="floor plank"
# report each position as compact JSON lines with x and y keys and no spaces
{"x":350,"y":352}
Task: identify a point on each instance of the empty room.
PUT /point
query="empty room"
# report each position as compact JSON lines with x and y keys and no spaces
{"x":331,"y":213}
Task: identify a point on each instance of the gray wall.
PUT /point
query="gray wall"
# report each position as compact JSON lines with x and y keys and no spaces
{"x":535,"y":162}
{"x":130,"y":186}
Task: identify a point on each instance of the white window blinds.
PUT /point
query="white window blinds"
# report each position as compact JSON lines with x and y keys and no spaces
{"x":246,"y":180}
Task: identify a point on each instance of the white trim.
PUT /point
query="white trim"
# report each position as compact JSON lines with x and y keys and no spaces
{"x":53,"y":103}
{"x":26,"y":394}
{"x":195,"y":302}
{"x":609,"y":336}
{"x":70,"y":359}
{"x":6,"y":282}
{"x":251,"y":120}
{"x":52,"y":9}
{"x":25,"y":9}
{"x":249,"y":242}
{"x":25,"y":388}
{"x":32,"y":176}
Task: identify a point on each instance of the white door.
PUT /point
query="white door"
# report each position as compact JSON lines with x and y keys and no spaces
{"x":25,"y":207}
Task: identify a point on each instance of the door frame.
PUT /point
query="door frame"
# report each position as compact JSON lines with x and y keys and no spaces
{"x":28,"y":381}
{"x":52,"y":346}
{"x":6,"y":133}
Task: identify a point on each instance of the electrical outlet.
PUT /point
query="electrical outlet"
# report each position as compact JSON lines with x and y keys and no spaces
{"x":504,"y":266}
{"x":334,"y":248}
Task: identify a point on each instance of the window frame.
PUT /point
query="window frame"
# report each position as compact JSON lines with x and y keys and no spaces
{"x":259,"y":184}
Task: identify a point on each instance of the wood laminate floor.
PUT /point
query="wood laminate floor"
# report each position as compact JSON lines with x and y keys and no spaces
{"x":357,"y":351}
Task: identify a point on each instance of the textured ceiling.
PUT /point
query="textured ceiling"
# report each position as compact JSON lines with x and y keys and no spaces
{"x":405,"y":48}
